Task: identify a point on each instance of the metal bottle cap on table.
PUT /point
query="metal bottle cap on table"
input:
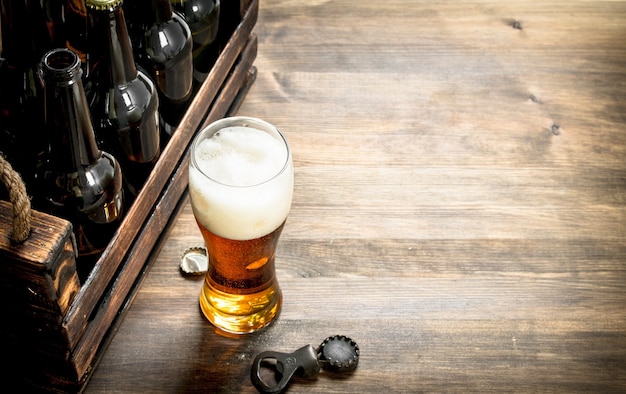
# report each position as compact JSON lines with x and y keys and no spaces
{"x":194,"y":261}
{"x":338,"y":353}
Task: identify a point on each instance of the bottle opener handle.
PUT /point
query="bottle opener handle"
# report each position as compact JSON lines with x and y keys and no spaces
{"x":284,"y":366}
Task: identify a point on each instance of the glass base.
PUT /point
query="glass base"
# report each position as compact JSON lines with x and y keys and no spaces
{"x":240,"y":313}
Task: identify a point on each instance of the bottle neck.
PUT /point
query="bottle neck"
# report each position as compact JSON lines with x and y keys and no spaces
{"x":111,"y":35}
{"x":75,"y":27}
{"x":72,"y":143}
{"x":162,"y":11}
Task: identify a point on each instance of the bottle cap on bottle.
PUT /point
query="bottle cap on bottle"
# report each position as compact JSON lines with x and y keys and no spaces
{"x":103,"y":4}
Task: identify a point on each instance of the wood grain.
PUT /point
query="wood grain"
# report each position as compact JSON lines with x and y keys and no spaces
{"x":459,"y":206}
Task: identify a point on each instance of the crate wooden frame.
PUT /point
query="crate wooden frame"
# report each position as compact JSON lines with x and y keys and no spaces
{"x":88,"y":316}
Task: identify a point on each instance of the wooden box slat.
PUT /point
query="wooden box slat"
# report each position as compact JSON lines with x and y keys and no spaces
{"x":40,"y":272}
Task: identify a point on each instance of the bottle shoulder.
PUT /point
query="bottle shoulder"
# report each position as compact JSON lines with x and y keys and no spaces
{"x":169,"y":40}
{"x":138,"y":92}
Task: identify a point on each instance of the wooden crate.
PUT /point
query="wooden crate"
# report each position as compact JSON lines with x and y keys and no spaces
{"x":54,"y":328}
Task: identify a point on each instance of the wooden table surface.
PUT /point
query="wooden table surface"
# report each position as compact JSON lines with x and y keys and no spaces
{"x":459,"y":206}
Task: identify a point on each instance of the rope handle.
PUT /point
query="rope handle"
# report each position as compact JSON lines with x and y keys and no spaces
{"x":19,"y":199}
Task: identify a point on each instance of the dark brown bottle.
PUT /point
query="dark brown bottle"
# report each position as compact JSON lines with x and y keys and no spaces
{"x":25,"y":38}
{"x":203,"y":17}
{"x":163,"y":47}
{"x":82,"y":183}
{"x":122,"y":98}
{"x":65,"y":22}
{"x":70,"y":21}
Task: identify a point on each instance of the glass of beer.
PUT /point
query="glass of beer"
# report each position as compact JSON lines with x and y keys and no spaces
{"x":241,"y":186}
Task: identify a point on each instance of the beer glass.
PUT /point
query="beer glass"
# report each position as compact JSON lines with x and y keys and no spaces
{"x":241,"y":186}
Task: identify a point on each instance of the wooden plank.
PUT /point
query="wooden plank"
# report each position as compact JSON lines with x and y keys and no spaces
{"x":439,"y":219}
{"x":40,"y":272}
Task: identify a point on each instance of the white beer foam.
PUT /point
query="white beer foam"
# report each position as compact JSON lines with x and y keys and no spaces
{"x":241,"y":156}
{"x":240,"y":196}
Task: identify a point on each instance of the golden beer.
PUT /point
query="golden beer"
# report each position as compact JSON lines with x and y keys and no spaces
{"x":241,"y":186}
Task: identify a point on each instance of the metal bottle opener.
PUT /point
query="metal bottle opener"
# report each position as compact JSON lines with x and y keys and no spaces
{"x":337,"y":353}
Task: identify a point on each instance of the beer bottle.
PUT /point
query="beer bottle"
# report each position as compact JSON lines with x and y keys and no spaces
{"x":25,"y":38}
{"x":163,"y":47}
{"x":66,"y":22}
{"x":82,"y":183}
{"x":122,"y":97}
{"x":203,"y":18}
{"x":73,"y":27}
